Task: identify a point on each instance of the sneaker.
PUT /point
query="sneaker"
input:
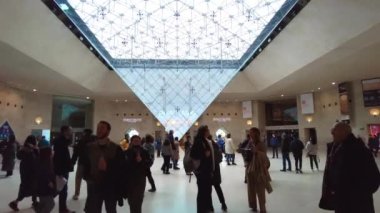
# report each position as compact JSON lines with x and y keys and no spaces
{"x":283,"y":170}
{"x":234,"y":164}
{"x":300,"y":171}
{"x":152,"y":190}
{"x":13,"y":206}
{"x":75,"y":197}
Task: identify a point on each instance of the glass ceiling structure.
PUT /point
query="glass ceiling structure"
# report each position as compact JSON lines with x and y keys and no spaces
{"x":176,"y":55}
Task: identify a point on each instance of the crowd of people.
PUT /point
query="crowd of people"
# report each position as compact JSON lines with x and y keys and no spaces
{"x":117,"y":172}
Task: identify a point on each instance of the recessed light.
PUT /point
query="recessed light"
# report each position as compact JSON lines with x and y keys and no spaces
{"x":333,"y":83}
{"x":117,"y":100}
{"x":282,"y":95}
{"x":269,"y":40}
{"x":319,"y":88}
{"x":91,"y":48}
{"x":81,"y":38}
{"x":87,"y":98}
{"x":125,"y":100}
{"x":34,"y":90}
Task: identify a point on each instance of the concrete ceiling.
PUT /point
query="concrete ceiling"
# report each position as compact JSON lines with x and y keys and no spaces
{"x":328,"y":41}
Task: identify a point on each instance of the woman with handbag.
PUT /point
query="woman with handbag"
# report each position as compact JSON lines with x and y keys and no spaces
{"x":257,"y":172}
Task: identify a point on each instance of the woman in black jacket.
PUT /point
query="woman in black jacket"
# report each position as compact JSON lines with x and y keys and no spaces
{"x":28,"y":170}
{"x":203,"y":153}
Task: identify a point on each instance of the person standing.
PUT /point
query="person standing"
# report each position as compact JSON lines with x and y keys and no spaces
{"x":297,"y":147}
{"x":351,"y":174}
{"x":158,"y":145}
{"x":221,"y":143}
{"x":285,"y":149}
{"x":149,"y":147}
{"x":28,"y":155}
{"x":175,"y":156}
{"x":9,"y":155}
{"x":46,"y":186}
{"x":257,"y":172}
{"x":217,"y":177}
{"x":137,"y":162}
{"x":203,"y":152}
{"x":79,"y":155}
{"x":274,"y":144}
{"x":166,"y":154}
{"x":102,"y":165}
{"x":62,"y":163}
{"x":230,"y":150}
{"x":312,"y":152}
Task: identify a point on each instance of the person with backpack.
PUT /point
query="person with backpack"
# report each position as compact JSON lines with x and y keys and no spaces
{"x":297,"y":147}
{"x":149,"y":147}
{"x":203,"y":153}
{"x":28,"y":155}
{"x":166,"y":152}
{"x":274,"y":143}
{"x":217,"y":177}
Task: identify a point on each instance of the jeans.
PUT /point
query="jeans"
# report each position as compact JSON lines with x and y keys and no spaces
{"x":150,"y":179}
{"x":230,"y":158}
{"x":165,"y":167}
{"x":275,"y":151}
{"x":204,"y":199}
{"x":63,"y":195}
{"x":298,"y":161}
{"x":286,"y":158}
{"x":45,"y":205}
{"x":96,"y":197}
{"x":313,"y":158}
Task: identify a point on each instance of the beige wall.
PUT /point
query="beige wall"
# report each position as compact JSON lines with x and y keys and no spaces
{"x":325,"y":117}
{"x":23,"y":108}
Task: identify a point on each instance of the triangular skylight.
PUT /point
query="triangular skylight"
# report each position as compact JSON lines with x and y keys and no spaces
{"x":176,"y":55}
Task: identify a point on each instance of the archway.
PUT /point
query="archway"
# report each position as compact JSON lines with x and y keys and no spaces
{"x":221,"y":131}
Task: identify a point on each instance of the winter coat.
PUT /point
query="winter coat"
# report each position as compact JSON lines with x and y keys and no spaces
{"x":45,"y":174}
{"x":28,"y":170}
{"x":62,"y":160}
{"x":175,"y":155}
{"x":353,"y":175}
{"x":230,"y":146}
{"x":79,"y":151}
{"x":9,"y":156}
{"x":285,"y":148}
{"x":198,"y":152}
{"x":166,"y":149}
{"x":296,"y":147}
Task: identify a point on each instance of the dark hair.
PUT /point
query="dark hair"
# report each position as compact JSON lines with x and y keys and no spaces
{"x":87,"y":131}
{"x":229,"y":135}
{"x":201,"y":133}
{"x":149,"y":138}
{"x":257,"y":139}
{"x":176,"y":138}
{"x":31,"y":139}
{"x":135,"y":136}
{"x":108,"y":125}
{"x":65,"y":128}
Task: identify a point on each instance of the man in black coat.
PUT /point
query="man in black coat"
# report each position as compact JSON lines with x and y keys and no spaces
{"x":285,"y":149}
{"x":62,"y":163}
{"x":352,"y":173}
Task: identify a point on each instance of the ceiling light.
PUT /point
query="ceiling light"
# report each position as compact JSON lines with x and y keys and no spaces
{"x":333,"y":83}
{"x":88,"y":98}
{"x":319,"y":88}
{"x":81,"y":38}
{"x":125,"y":100}
{"x":34,"y":90}
{"x":282,"y":95}
{"x":91,"y":48}
{"x":117,"y":100}
{"x":269,"y":40}
{"x":64,"y":7}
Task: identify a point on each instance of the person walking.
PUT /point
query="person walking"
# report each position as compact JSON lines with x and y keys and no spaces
{"x":351,"y":175}
{"x":137,"y":162}
{"x":9,"y":155}
{"x":230,"y":149}
{"x":274,"y":142}
{"x":217,"y":177}
{"x":28,"y":155}
{"x":297,"y":147}
{"x":79,"y":154}
{"x":257,"y":172}
{"x":149,"y":147}
{"x":62,"y":163}
{"x":312,"y":152}
{"x":158,"y":146}
{"x":285,"y":149}
{"x":166,"y":154}
{"x":221,"y":143}
{"x":102,"y":166}
{"x":46,"y":184}
{"x":202,"y":152}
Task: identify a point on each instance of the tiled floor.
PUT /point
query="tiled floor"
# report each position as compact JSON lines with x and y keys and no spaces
{"x":292,"y":193}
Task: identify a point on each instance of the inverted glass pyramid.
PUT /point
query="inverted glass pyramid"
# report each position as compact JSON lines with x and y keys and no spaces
{"x":176,"y":55}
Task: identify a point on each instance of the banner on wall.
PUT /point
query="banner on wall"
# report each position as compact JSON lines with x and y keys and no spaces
{"x":247,"y":109}
{"x":5,"y":131}
{"x":307,"y":103}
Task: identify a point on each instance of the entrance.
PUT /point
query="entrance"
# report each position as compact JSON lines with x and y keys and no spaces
{"x":132,"y":132}
{"x":222,"y":132}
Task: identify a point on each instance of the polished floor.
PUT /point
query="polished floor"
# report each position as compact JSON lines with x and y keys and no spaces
{"x":293,"y":193}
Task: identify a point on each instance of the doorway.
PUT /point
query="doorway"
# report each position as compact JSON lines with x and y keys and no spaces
{"x":311,"y":133}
